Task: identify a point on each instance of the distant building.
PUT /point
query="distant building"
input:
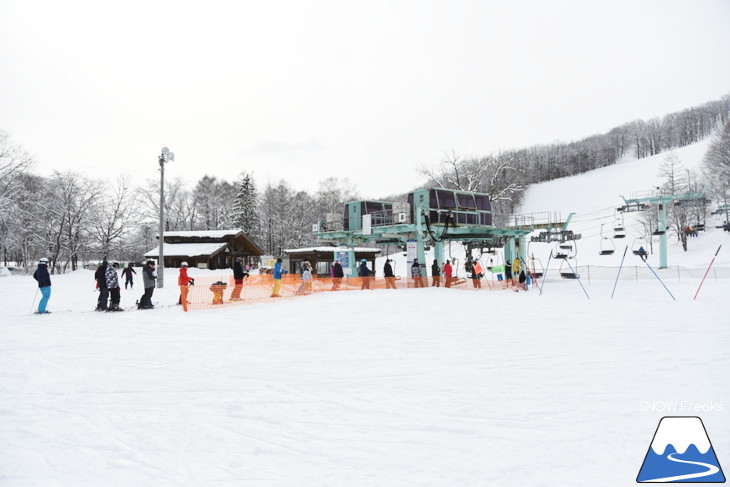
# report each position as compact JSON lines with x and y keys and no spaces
{"x":207,"y":249}
{"x":322,"y":258}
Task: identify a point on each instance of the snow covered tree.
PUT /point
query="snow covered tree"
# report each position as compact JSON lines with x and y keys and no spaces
{"x":245,"y":207}
{"x":716,"y":165}
{"x":113,"y":215}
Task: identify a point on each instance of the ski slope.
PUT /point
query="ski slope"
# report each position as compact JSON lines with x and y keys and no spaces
{"x":415,"y":387}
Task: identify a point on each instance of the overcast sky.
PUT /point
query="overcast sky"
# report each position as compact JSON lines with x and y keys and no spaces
{"x":370,"y":90}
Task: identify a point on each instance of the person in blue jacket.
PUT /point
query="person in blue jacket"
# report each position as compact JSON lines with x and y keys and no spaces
{"x":44,"y":284}
{"x":278,"y":271}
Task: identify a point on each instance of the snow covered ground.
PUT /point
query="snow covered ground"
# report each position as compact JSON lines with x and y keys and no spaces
{"x":413,"y":387}
{"x":408,"y":387}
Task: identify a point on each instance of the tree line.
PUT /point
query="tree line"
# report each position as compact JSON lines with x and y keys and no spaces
{"x":71,"y":218}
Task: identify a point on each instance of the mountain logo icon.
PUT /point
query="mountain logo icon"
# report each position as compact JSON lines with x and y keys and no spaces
{"x":681,"y":452}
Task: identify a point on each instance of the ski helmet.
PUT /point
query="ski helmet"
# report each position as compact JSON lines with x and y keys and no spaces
{"x":43,"y":260}
{"x":183,"y":264}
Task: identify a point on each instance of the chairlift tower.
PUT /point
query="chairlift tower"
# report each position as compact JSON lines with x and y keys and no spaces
{"x":661,"y":200}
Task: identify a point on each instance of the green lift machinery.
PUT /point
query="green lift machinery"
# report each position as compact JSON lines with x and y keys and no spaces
{"x":432,"y":216}
{"x":640,"y":202}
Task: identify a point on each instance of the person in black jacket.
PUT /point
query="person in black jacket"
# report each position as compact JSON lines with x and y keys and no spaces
{"x":436,"y":273}
{"x":44,"y":284}
{"x":337,"y":275}
{"x":365,"y":274}
{"x":238,"y":275}
{"x":100,"y":276}
{"x":389,"y":276}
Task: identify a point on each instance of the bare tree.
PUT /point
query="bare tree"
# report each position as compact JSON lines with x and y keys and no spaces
{"x":113,"y":214}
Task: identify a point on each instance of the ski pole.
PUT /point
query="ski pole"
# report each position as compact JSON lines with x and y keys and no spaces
{"x":32,"y":305}
{"x":545,"y":274}
{"x":707,"y":272}
{"x":577,"y":278}
{"x":655,"y":275}
{"x":619,"y":271}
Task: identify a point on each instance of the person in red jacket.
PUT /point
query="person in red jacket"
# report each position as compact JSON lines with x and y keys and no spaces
{"x":448,"y":271}
{"x":184,"y":281}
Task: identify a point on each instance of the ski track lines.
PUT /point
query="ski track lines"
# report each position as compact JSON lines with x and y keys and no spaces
{"x":711,"y":469}
{"x":414,"y":388}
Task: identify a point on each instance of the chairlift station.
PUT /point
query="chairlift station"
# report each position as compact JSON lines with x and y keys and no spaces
{"x":432,"y":216}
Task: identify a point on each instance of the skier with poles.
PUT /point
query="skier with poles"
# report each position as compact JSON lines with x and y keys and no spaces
{"x":44,"y":285}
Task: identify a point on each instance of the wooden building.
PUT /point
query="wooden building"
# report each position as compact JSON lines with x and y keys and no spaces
{"x":207,"y":249}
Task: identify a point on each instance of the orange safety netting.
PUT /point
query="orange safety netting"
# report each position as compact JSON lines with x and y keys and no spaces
{"x":214,"y":292}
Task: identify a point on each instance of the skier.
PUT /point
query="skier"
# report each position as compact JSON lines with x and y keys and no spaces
{"x":642,"y":253}
{"x":184,"y":281}
{"x":523,"y":281}
{"x":416,"y":274}
{"x":149,"y":274}
{"x":448,"y":271}
{"x":476,"y":274}
{"x":100,"y":276}
{"x":277,"y":274}
{"x":515,"y":270}
{"x":238,"y":275}
{"x":365,"y":275}
{"x":127,"y":273}
{"x":305,"y":286}
{"x":112,"y":284}
{"x":44,"y":285}
{"x":337,"y":274}
{"x":435,"y":273}
{"x":388,"y":274}
{"x":508,"y":275}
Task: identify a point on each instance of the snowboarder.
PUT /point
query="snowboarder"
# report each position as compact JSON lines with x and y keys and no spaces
{"x":112,"y":284}
{"x":337,"y":274}
{"x":238,"y":275}
{"x":435,"y":273}
{"x":149,"y":275}
{"x":277,"y":274}
{"x":127,"y":273}
{"x":100,"y":276}
{"x":44,"y":285}
{"x":184,"y":281}
{"x":365,"y":274}
{"x":388,"y":274}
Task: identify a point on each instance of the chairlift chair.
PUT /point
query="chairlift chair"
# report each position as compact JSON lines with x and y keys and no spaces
{"x":607,"y":245}
{"x":637,"y":244}
{"x":566,"y":272}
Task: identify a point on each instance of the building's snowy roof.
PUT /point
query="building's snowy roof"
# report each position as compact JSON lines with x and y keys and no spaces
{"x":204,"y":233}
{"x":330,"y":249}
{"x":187,"y":249}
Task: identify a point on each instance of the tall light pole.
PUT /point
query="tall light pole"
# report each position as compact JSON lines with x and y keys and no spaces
{"x":165,"y":156}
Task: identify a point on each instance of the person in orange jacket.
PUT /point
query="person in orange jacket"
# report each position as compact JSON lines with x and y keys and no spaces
{"x":184,"y":281}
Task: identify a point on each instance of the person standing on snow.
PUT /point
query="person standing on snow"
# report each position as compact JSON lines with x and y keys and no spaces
{"x":304,"y":287}
{"x":515,"y":270}
{"x":477,"y":274}
{"x":337,"y":275}
{"x":100,"y":276}
{"x":184,"y":281}
{"x":149,"y":275}
{"x":127,"y":273}
{"x":365,"y":274}
{"x":416,"y":274}
{"x":435,"y":273}
{"x":388,"y":274}
{"x":44,"y":285}
{"x":277,"y":274}
{"x":238,"y":276}
{"x":112,"y":284}
{"x":448,"y":272}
